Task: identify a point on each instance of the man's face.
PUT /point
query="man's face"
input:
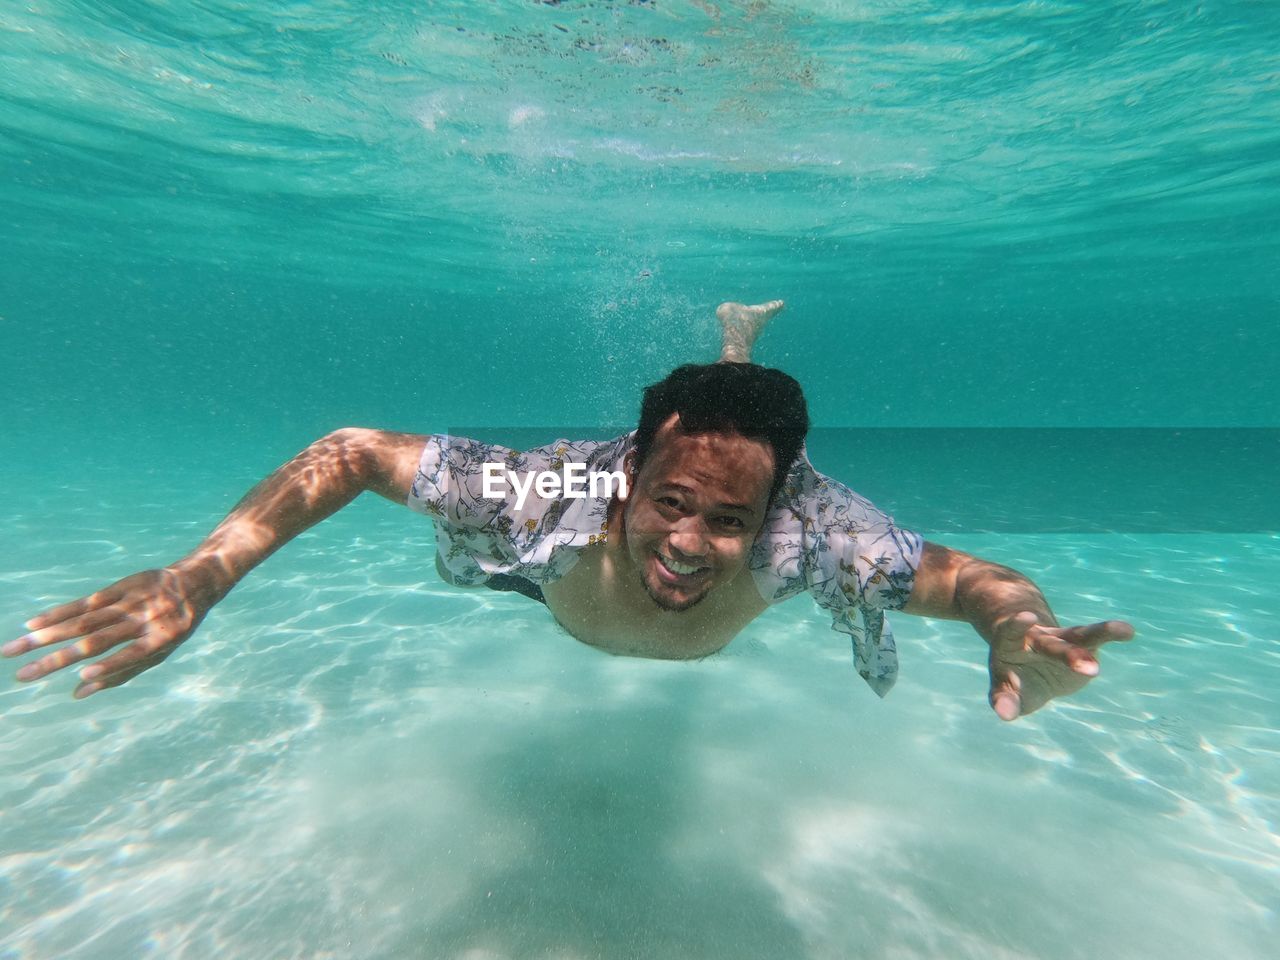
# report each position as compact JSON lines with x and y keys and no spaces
{"x":694,"y":511}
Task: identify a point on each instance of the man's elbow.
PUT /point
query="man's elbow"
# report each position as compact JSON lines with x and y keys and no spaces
{"x":382,"y":461}
{"x":348,"y":452}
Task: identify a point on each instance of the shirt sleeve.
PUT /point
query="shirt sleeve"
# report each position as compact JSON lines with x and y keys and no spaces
{"x":532,"y":536}
{"x":449,"y":484}
{"x":849,"y":555}
{"x":473,"y":532}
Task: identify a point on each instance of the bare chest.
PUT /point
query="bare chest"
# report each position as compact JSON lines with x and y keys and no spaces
{"x":603,"y":607}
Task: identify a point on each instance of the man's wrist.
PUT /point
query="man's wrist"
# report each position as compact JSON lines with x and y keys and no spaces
{"x":992,"y":597}
{"x":206,"y":578}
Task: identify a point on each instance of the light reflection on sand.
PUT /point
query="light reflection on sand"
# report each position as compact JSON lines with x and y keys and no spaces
{"x":352,"y":759}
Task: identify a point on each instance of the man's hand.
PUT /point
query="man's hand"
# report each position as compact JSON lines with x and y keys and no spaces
{"x":1032,"y":660}
{"x":1032,"y":663}
{"x":155,"y":609}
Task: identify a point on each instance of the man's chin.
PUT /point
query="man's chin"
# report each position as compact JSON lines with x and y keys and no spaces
{"x":673,"y":604}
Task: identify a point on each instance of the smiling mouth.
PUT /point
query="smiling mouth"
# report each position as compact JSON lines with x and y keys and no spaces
{"x":673,"y":571}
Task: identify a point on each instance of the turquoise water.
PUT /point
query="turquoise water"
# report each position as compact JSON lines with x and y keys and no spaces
{"x":1029,"y":253}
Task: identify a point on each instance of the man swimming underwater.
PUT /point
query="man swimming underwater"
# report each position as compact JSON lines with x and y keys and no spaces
{"x":722,"y":516}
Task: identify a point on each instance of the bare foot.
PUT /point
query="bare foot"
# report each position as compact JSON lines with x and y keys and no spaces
{"x":741,"y":325}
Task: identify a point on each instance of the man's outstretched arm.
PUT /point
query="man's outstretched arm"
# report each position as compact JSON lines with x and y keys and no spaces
{"x":155,"y":610}
{"x":1032,"y":658}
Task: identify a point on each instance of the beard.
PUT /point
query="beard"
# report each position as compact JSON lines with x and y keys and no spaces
{"x":668,"y":605}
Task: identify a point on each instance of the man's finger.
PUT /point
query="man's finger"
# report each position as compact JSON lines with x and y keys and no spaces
{"x":1096,"y":634}
{"x":120,"y":676}
{"x":89,"y":646}
{"x":1006,"y":705}
{"x":1079,"y":658}
{"x":78,"y":626}
{"x":1005,"y":696}
{"x":132,"y":655}
{"x":75,"y":608}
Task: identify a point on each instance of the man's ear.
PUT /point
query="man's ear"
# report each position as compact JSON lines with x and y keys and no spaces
{"x":629,"y":468}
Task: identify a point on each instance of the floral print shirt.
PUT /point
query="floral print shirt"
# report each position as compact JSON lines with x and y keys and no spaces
{"x":818,"y":536}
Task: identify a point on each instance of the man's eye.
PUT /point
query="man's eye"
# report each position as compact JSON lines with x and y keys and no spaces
{"x":667,"y":501}
{"x":733,"y":523}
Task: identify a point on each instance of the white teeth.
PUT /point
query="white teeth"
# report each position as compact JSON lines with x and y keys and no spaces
{"x":675,"y":567}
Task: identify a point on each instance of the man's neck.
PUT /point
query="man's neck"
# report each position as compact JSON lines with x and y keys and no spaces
{"x":602,"y":602}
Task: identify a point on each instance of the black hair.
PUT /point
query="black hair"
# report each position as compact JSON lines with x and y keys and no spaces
{"x":759,"y":403}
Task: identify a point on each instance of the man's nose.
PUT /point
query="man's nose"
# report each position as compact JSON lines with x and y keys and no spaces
{"x":689,"y":538}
